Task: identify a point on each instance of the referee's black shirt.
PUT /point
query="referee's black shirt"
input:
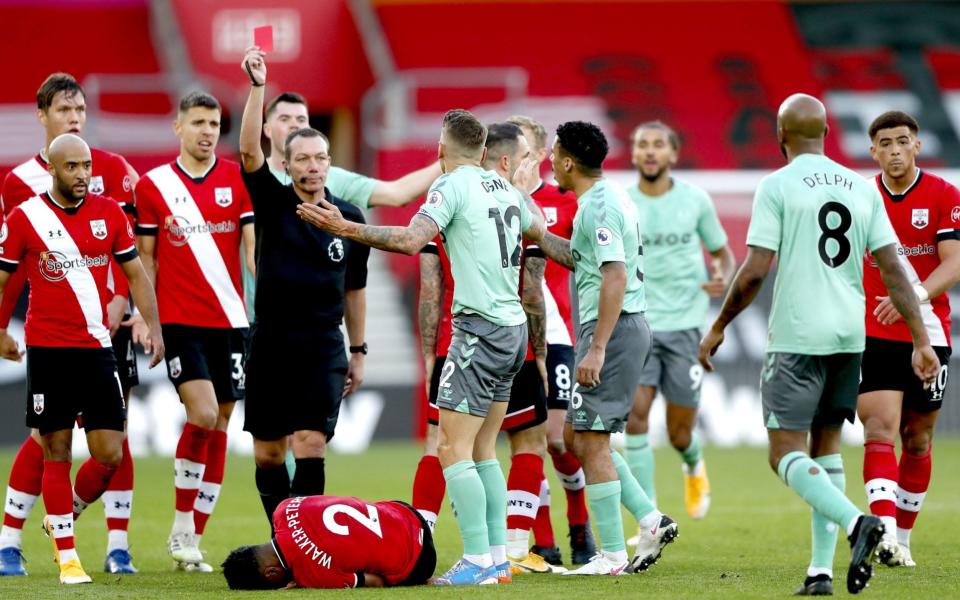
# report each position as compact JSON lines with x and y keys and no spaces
{"x":302,"y":271}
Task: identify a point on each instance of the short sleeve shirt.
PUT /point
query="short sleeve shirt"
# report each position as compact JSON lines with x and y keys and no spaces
{"x":481,"y":217}
{"x":606,"y":230}
{"x":820,"y":218}
{"x":676,"y":226}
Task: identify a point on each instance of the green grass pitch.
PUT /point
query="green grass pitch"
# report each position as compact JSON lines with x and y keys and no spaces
{"x":753,"y":544}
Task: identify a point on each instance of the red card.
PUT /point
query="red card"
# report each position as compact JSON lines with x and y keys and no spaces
{"x":263,"y":37}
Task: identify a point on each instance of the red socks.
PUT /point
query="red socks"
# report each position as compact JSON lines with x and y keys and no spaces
{"x":118,"y":497}
{"x":880,"y":480}
{"x":574,"y":482}
{"x":914,"y":479}
{"x":542,"y":527}
{"x":57,"y":496}
{"x":523,"y":490}
{"x":189,"y":465}
{"x":429,"y":487}
{"x":26,"y":476}
{"x":209,"y":490}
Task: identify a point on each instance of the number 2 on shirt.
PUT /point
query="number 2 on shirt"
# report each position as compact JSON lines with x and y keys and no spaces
{"x":371,"y":520}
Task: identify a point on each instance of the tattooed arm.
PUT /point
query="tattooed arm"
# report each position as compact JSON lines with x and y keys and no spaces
{"x":742,"y":291}
{"x":557,"y":248}
{"x":405,"y":240}
{"x":428,"y":310}
{"x":534,"y":304}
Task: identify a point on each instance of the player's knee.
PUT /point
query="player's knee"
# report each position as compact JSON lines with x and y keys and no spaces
{"x":556,"y":447}
{"x":109,"y":458}
{"x":679,"y":438}
{"x":269,"y":456}
{"x":916,"y":440}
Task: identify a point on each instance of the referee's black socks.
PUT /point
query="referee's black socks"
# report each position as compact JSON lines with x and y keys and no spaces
{"x":273,"y":483}
{"x":309,"y":478}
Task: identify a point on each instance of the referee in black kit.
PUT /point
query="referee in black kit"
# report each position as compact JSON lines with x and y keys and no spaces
{"x":307,"y":282}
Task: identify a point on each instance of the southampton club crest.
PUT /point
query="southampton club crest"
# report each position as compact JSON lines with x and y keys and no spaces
{"x":38,"y":403}
{"x":550,"y":214}
{"x":920,"y":218}
{"x":223,"y":196}
{"x":99,"y":228}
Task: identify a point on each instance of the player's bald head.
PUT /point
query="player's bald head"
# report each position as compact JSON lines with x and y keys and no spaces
{"x":68,"y":148}
{"x":802,"y":116}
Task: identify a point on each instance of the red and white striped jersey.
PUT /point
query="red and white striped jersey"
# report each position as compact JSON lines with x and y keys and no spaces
{"x":68,"y":253}
{"x":111,"y":176}
{"x":559,"y":208}
{"x":197,"y":223}
{"x":924,"y":215}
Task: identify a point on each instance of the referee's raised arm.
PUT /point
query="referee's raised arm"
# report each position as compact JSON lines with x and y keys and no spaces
{"x":251,"y":154}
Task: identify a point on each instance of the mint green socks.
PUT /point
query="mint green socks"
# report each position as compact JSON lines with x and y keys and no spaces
{"x":495,"y":490}
{"x":604,"y":499}
{"x":809,"y":479}
{"x":467,"y":494}
{"x":824,"y":531}
{"x":631,"y":494}
{"x":693,"y":453}
{"x":639,"y":455}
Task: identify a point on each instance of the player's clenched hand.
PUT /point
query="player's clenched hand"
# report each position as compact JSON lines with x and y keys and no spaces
{"x":326,"y":216}
{"x":115,"y":309}
{"x":709,"y":345}
{"x":9,"y":349}
{"x":885,"y":312}
{"x":717,"y":284}
{"x":354,"y":374}
{"x":588,"y":371}
{"x":926,"y":365}
{"x":254,"y":66}
{"x":527,"y":175}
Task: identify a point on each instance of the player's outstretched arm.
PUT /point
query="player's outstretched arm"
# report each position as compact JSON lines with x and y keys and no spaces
{"x":428,"y":309}
{"x":938,"y":282}
{"x":251,"y":126}
{"x":9,"y":349}
{"x":403,"y":191}
{"x":746,"y":284}
{"x":146,"y":300}
{"x":557,"y":248}
{"x":404,"y":240}
{"x":926,"y":365}
{"x":535,"y":306}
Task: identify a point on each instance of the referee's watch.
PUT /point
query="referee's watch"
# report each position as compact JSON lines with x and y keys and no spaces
{"x":362,"y":349}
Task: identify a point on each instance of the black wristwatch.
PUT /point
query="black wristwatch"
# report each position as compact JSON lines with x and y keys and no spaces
{"x":362,"y":348}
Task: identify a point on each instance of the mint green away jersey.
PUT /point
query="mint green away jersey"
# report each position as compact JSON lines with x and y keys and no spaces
{"x":481,"y":217}
{"x":348,"y":186}
{"x":820,"y":218}
{"x":606,"y":230}
{"x":674,"y":227}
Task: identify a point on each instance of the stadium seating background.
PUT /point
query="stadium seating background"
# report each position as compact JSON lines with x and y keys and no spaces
{"x":379,"y":74}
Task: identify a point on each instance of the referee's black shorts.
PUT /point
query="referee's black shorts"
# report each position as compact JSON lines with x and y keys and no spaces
{"x":294,"y":380}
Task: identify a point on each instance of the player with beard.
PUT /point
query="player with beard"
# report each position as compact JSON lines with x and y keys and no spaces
{"x":61,"y":108}
{"x":67,"y":240}
{"x":677,"y":220}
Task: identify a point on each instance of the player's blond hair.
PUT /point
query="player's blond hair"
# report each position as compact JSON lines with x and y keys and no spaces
{"x":533,"y":126}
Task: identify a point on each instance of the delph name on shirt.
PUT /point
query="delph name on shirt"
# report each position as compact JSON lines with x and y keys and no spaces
{"x":835,"y":179}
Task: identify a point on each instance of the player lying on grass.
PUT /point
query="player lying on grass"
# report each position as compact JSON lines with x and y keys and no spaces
{"x":336,"y":542}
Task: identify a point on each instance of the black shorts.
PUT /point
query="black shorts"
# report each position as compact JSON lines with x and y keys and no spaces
{"x":528,"y":402}
{"x":427,"y":561}
{"x":64,"y":383}
{"x":433,"y":411}
{"x":294,"y":381}
{"x":211,"y":353}
{"x":560,"y":376}
{"x":126,"y":358}
{"x":887,"y":366}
